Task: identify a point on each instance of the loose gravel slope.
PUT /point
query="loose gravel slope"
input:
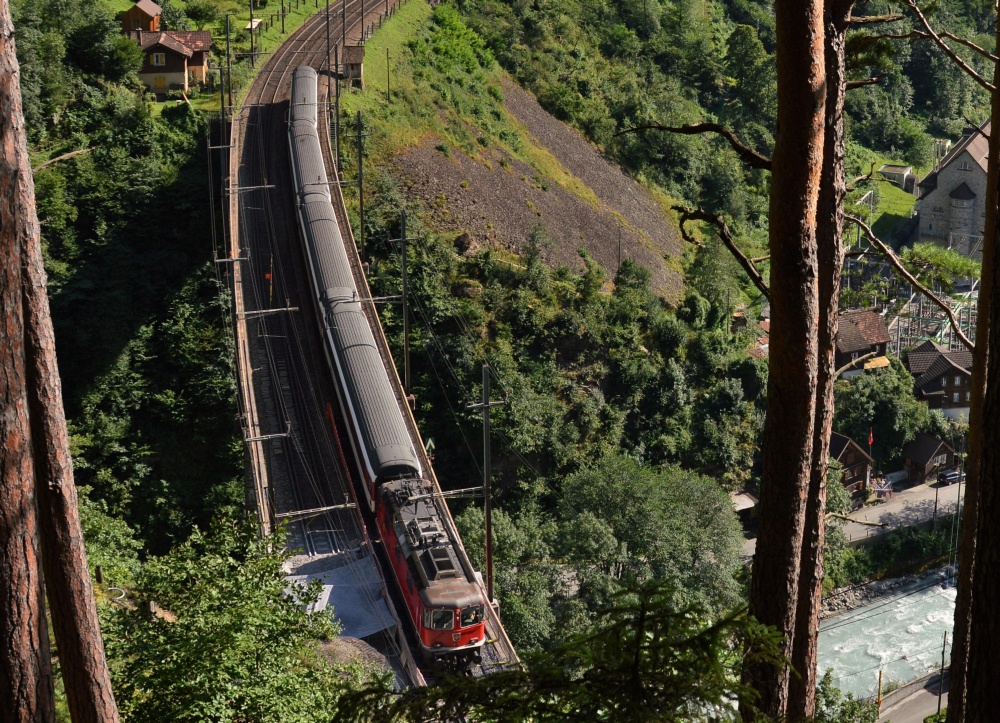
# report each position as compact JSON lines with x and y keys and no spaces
{"x":501,"y":201}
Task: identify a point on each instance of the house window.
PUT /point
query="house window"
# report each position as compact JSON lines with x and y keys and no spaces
{"x":958,"y":380}
{"x":967,"y":396}
{"x":964,"y":166}
{"x":961,"y":202}
{"x":159,"y":58}
{"x":930,"y":227}
{"x":954,"y":397}
{"x":940,"y":460}
{"x":136,"y":25}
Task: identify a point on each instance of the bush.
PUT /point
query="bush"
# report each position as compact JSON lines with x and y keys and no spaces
{"x":896,"y":552}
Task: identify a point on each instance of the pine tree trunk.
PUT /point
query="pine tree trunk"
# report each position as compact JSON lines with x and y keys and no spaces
{"x":71,"y":597}
{"x":26,"y":692}
{"x":977,"y":626}
{"x":789,"y":428}
{"x":967,"y":565}
{"x":830,"y":255}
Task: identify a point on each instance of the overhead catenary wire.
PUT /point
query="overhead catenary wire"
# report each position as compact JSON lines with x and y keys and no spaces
{"x":258,"y":230}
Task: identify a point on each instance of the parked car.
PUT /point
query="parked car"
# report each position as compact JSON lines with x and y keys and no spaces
{"x":951,"y":476}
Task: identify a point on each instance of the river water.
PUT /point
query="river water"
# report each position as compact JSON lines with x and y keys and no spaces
{"x":901,"y":634}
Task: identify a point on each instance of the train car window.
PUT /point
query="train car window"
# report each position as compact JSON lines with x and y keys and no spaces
{"x":472,"y":615}
{"x":442,"y":619}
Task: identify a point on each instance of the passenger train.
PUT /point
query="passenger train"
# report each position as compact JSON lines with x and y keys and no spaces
{"x":444,"y":600}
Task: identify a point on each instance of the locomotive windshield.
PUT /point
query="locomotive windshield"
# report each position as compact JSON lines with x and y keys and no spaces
{"x":439,"y":619}
{"x":472,"y":615}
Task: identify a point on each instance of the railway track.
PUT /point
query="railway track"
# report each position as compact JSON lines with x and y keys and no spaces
{"x":289,"y":396}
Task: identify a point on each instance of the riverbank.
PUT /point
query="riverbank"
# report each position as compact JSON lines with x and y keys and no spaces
{"x":846,"y":599}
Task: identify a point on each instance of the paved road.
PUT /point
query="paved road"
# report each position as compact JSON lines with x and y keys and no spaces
{"x":914,"y":708}
{"x":908,"y":507}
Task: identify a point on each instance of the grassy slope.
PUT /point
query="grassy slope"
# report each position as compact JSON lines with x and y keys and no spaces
{"x":894,"y":207}
{"x":417,"y":110}
{"x":456,"y":110}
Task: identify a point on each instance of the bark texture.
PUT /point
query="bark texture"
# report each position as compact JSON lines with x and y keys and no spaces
{"x":830,"y":260}
{"x":25,"y":671}
{"x":790,"y":427}
{"x":977,"y":626}
{"x":958,"y":686}
{"x":49,"y":465}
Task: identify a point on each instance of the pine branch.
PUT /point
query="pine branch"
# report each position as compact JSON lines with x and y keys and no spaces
{"x":747,"y":154}
{"x":854,"y":362}
{"x":871,"y":19}
{"x":861,"y":83}
{"x":688,"y":214}
{"x":891,"y":257}
{"x":860,"y":179}
{"x":975,"y":126}
{"x":936,"y":37}
{"x":839,"y":516}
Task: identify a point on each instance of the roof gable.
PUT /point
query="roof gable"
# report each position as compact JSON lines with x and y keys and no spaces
{"x":976,"y":142}
{"x":186,"y":43}
{"x":941,"y":366}
{"x":923,"y":448}
{"x":920,"y":359}
{"x":197,"y":40}
{"x":860,"y":330}
{"x":930,"y":361}
{"x":354,"y":54}
{"x":962,"y":192}
{"x":840,"y":444}
{"x":164,"y":40}
{"x":149,"y":7}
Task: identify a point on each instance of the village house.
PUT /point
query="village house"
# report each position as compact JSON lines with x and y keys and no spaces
{"x":173,"y":60}
{"x":926,"y":456}
{"x":144,"y":16}
{"x":862,"y":337}
{"x":856,"y":465}
{"x":942,"y":378}
{"x":952,"y":197}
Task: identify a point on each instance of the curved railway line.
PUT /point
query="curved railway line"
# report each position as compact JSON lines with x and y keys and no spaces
{"x":289,"y":411}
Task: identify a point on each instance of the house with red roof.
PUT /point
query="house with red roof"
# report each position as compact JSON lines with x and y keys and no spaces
{"x":174,"y":59}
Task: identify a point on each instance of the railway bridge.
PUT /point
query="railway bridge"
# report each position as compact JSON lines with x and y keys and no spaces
{"x":298,"y":472}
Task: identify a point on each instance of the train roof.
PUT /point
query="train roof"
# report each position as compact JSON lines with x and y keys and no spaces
{"x":428,"y":546}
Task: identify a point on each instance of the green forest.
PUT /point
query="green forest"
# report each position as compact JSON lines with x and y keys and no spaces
{"x":628,"y":418}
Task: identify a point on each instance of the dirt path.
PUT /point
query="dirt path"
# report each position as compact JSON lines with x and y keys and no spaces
{"x":504,"y":205}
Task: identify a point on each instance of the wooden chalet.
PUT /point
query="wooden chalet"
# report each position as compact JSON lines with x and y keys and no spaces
{"x":856,"y":464}
{"x":942,"y":378}
{"x":861,"y":333}
{"x":143,"y":16}
{"x":925,"y":456}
